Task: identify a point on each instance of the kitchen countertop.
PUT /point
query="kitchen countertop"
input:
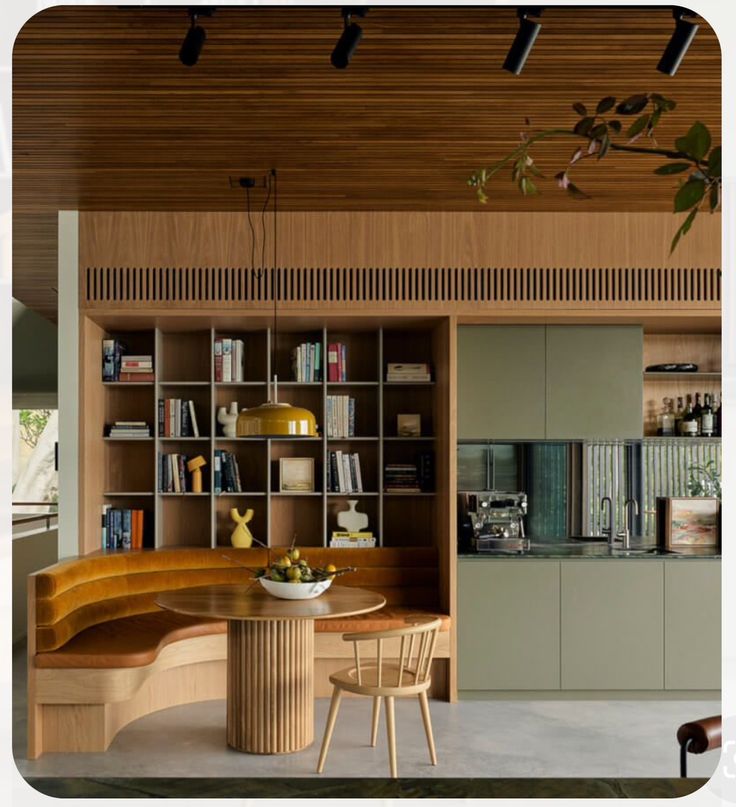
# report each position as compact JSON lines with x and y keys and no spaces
{"x":593,"y":550}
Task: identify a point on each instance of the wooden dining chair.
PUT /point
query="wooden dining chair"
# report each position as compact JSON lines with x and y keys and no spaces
{"x":381,"y":679}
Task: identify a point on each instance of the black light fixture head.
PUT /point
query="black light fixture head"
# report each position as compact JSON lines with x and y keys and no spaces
{"x":194,"y":41}
{"x":680,"y":41}
{"x":351,"y":35}
{"x":524,"y":39}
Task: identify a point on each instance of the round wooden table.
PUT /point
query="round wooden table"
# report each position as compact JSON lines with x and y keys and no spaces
{"x":270,"y":657}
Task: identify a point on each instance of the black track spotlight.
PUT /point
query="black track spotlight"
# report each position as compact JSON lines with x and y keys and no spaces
{"x":194,"y":41}
{"x":680,"y":40}
{"x":524,"y":40}
{"x":351,"y":35}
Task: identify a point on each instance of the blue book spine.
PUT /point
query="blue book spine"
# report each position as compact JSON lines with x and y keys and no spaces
{"x":108,"y":360}
{"x":127,"y":529}
{"x":218,"y":470}
{"x":117,"y":529}
{"x":351,"y":417}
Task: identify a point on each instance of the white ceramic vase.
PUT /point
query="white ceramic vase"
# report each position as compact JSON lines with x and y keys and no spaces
{"x":351,"y":520}
{"x":228,"y":420}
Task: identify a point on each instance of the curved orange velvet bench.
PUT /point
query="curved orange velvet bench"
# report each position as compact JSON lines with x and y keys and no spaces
{"x":102,"y":653}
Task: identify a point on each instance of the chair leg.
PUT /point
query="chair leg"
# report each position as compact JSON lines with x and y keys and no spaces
{"x":424,"y":705}
{"x":376,"y":716}
{"x":684,"y":748}
{"x":391,"y":731}
{"x":331,"y":718}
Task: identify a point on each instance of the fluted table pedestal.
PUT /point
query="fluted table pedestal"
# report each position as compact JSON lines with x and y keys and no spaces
{"x":270,"y":685}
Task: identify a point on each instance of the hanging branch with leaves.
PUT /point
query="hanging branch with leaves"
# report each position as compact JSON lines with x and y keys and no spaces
{"x":602,"y":132}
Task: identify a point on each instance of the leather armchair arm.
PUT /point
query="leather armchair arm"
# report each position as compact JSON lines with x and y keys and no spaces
{"x":704,"y":734}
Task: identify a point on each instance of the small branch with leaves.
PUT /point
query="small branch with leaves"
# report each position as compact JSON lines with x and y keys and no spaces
{"x":601,"y":132}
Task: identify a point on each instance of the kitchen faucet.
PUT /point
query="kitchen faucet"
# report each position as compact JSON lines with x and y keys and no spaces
{"x":608,"y":531}
{"x":625,"y":535}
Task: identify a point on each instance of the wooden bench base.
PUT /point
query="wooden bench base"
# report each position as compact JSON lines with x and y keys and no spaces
{"x":81,"y":710}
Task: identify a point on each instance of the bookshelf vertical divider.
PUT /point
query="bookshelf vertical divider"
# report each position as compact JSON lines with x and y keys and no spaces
{"x":380,"y":426}
{"x":157,"y":508}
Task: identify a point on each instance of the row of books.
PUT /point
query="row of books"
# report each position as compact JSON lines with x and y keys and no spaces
{"x":340,"y":416}
{"x":227,"y":472}
{"x":352,"y":540}
{"x":173,"y":476}
{"x":306,"y":362}
{"x":337,"y":361}
{"x":122,"y":528}
{"x":177,"y":418}
{"x":118,"y":366}
{"x":128,"y":429}
{"x":416,"y":477}
{"x":229,"y":359}
{"x":408,"y":372}
{"x":343,"y":473}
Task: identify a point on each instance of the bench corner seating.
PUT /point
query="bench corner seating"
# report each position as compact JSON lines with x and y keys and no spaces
{"x":101,"y":653}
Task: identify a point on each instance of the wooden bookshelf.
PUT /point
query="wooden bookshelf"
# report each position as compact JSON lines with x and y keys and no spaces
{"x":124,"y":473}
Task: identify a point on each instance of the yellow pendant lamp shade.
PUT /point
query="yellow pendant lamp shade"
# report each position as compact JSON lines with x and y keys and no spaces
{"x":276,"y":420}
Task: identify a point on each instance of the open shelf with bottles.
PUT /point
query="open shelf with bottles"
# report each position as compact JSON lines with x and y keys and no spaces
{"x":703,"y":350}
{"x":184,"y":360}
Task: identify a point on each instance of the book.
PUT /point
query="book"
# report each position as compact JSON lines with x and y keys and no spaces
{"x":227,"y":365}
{"x":218,"y":359}
{"x":217,"y":471}
{"x":105,"y":511}
{"x":126,"y":529}
{"x":193,"y":420}
{"x":348,"y":534}
{"x":136,"y":378}
{"x":332,"y":366}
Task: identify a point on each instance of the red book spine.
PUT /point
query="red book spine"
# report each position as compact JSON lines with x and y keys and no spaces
{"x":218,"y":359}
{"x":135,"y":377}
{"x":332,"y":362}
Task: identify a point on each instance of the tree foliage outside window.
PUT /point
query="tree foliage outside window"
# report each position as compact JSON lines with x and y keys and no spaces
{"x":32,"y":424}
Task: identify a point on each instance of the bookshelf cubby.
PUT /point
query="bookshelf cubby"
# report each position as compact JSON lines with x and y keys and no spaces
{"x":183,"y":359}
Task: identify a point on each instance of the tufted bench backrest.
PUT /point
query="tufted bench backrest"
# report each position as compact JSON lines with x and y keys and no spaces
{"x":78,"y":593}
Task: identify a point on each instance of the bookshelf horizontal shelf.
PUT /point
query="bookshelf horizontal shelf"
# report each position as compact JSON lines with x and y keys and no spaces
{"x":184,"y":383}
{"x":352,"y":439}
{"x":187,"y":495}
{"x":407,"y":494}
{"x":127,"y":439}
{"x":183,"y":439}
{"x":335,"y":495}
{"x":300,"y":383}
{"x":408,"y":383}
{"x":419,"y":439}
{"x":240,"y":383}
{"x":287,"y":493}
{"x":221,"y":439}
{"x":113,"y":493}
{"x":239,"y":493}
{"x":352,"y":383}
{"x":127,"y":383}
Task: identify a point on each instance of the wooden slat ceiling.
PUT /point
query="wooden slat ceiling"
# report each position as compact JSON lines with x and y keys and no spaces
{"x":105,"y":117}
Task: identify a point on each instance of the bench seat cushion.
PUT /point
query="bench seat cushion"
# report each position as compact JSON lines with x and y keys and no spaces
{"x":135,"y":641}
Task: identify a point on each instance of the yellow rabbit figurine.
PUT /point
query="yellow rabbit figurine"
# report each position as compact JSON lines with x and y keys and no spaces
{"x":241,"y":536}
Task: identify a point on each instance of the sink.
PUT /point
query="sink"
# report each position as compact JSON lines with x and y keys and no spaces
{"x":642,"y":550}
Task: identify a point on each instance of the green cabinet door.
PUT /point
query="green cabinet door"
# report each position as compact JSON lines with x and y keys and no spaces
{"x":501,"y":381}
{"x":692,"y":624}
{"x":508,"y":627}
{"x":612,"y":624}
{"x":594,"y":381}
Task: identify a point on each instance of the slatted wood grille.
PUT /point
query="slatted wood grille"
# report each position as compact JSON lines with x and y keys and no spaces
{"x":309,"y":288}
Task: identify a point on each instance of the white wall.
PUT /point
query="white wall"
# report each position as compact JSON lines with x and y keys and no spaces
{"x":68,"y":383}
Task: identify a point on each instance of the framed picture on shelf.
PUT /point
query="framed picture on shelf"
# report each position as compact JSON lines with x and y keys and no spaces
{"x":688,"y":522}
{"x":296,"y":474}
{"x":408,"y":425}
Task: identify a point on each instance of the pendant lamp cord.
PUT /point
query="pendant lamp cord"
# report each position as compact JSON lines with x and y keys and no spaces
{"x":275,"y":284}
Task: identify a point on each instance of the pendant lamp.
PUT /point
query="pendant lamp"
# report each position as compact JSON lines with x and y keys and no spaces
{"x":273,"y":418}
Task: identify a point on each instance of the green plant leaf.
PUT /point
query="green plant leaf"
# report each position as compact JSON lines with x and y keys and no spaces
{"x":683,"y":229}
{"x":673,"y":168}
{"x":605,"y":104}
{"x":654,"y":118}
{"x":696,"y":142}
{"x":605,"y":145}
{"x":599,"y":130}
{"x":575,"y":192}
{"x":583,"y":126}
{"x":580,"y":109}
{"x":714,"y":162}
{"x":714,"y":197}
{"x":614,"y":125}
{"x":632,"y":105}
{"x":637,"y":126}
{"x":689,"y":194}
{"x":665,"y":103}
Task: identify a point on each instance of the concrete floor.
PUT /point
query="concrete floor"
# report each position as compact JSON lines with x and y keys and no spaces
{"x":590,"y":739}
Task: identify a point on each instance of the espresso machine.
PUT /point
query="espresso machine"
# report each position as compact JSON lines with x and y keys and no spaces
{"x":492,"y":521}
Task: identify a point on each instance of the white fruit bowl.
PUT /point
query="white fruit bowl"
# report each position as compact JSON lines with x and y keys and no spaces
{"x":295,"y":591}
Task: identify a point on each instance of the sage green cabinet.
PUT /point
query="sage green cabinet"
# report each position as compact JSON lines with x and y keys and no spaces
{"x":594,"y":381}
{"x":501,"y":381}
{"x":549,"y":382}
{"x":612,"y":627}
{"x":508,"y":628}
{"x":692,"y":624}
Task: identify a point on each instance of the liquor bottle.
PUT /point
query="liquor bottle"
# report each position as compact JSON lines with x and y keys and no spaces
{"x":717,"y":426}
{"x":668,"y":418}
{"x":698,"y":410}
{"x":689,"y":424}
{"x":706,"y":418}
{"x":679,"y":415}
